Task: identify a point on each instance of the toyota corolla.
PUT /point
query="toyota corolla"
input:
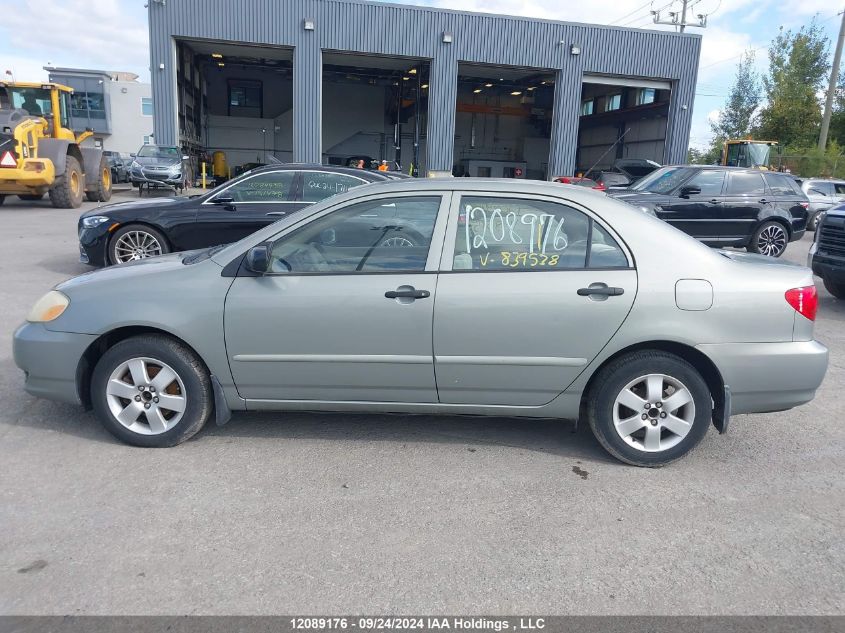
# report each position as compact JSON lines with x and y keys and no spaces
{"x":454,"y":296}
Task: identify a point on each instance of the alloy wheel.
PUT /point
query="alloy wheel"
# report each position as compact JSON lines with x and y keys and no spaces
{"x":653,"y":413}
{"x":134,"y":245}
{"x":772,"y":240}
{"x":146,"y":396}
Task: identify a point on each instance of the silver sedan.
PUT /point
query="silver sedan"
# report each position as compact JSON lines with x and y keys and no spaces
{"x":453,"y":296}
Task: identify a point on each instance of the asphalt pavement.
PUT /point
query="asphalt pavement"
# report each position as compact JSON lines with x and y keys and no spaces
{"x":328,"y":513}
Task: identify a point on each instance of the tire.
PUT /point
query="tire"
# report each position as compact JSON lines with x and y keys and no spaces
{"x":143,"y":240}
{"x":122,"y":408}
{"x":104,"y":181}
{"x":813,"y":221}
{"x":836,"y":289}
{"x":31,"y":196}
{"x":651,"y":442}
{"x":68,"y":190}
{"x":771,"y":238}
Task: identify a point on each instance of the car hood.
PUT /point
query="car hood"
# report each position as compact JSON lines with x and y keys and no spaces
{"x":129,"y":271}
{"x":130,"y":207}
{"x":157,"y":162}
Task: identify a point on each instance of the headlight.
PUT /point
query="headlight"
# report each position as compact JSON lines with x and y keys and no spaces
{"x":94,"y":220}
{"x":49,"y":307}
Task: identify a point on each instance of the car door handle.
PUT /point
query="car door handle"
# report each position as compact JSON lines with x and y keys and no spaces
{"x":762,"y":201}
{"x":714,"y":201}
{"x":277,"y":213}
{"x":410,"y":293}
{"x":601,"y":290}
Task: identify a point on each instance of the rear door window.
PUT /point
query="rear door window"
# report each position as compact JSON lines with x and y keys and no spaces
{"x":839,"y":187}
{"x":513,"y":234}
{"x":746,"y":184}
{"x":319,"y":185}
{"x":271,"y":186}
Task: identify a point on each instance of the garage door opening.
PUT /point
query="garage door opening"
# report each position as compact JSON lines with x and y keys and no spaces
{"x":621,"y":119}
{"x":374,"y":110}
{"x":235,"y":99}
{"x":503,"y":121}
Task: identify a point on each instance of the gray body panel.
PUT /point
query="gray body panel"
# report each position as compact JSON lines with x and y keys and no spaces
{"x":761,"y":346}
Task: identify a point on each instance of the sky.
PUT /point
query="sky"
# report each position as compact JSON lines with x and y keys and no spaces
{"x":112,"y":34}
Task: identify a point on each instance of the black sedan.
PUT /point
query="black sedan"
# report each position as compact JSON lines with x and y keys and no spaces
{"x":126,"y":231}
{"x":725,"y":206}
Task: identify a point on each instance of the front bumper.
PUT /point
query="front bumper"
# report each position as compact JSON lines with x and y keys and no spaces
{"x":93,"y":243}
{"x":50,"y":361}
{"x":156,"y":178}
{"x":767,"y":377}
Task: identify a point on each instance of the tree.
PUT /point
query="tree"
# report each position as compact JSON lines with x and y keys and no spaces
{"x":737,"y":117}
{"x":798,"y":66}
{"x":837,"y":119}
{"x":704,"y":157}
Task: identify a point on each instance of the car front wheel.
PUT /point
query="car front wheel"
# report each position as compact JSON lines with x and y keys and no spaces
{"x":649,"y":408}
{"x":135,"y":241}
{"x":151,"y":391}
{"x":770,"y":238}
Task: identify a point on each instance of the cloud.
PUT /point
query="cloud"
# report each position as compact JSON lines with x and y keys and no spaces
{"x":104,"y":34}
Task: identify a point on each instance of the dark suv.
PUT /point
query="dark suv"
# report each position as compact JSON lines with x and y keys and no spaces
{"x":827,"y":254}
{"x":725,"y":206}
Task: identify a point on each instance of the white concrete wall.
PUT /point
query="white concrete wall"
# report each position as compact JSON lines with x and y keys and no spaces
{"x":128,"y":125}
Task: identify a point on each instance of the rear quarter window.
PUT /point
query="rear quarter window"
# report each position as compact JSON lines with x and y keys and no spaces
{"x":781,"y":185}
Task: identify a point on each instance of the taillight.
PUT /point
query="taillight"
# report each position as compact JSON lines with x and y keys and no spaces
{"x":804,"y":300}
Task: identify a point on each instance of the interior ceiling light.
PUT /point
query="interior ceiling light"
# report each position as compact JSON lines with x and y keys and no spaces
{"x":477,"y":90}
{"x":413,"y":71}
{"x":516,"y":93}
{"x":217,"y":55}
{"x":405,"y":78}
{"x":532,"y":87}
{"x":488,"y":85}
{"x":221,"y":64}
{"x":424,"y":86}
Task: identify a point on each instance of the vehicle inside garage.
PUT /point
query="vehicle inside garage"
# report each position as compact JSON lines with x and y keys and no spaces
{"x":621,"y":118}
{"x":374,"y":109}
{"x":235,"y":99}
{"x":503,"y":121}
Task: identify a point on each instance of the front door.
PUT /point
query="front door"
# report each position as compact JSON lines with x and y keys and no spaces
{"x":346,"y":313}
{"x":531,"y":291}
{"x":698,"y":214}
{"x":244,"y":207}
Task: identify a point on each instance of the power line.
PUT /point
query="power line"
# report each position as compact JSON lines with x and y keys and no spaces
{"x":637,"y":10}
{"x":651,"y":13}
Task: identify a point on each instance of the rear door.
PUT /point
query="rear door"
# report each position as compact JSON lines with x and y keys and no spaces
{"x":698,"y":214}
{"x":530,"y":291}
{"x":243,"y":207}
{"x":789,"y":201}
{"x":746,"y":198}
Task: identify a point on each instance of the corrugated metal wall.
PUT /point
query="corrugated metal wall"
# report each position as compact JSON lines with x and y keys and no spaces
{"x":386,"y":29}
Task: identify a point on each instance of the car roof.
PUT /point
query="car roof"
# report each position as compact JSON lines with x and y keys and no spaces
{"x":373,"y":176}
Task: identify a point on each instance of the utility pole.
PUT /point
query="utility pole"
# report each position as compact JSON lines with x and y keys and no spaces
{"x":680,"y":20}
{"x":831,"y":88}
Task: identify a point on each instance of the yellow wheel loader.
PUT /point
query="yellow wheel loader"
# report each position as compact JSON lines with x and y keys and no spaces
{"x":40,"y":154}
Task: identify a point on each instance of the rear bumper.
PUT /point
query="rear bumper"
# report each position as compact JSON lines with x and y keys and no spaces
{"x":830,"y":268}
{"x":50,"y":361}
{"x":769,"y":376}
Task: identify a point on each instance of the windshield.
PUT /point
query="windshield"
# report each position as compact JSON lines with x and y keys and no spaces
{"x":36,"y":101}
{"x":749,"y":155}
{"x":663,"y":180}
{"x":154,"y":151}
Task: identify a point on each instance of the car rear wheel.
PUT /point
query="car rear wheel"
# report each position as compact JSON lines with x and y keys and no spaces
{"x":151,"y":391}
{"x":836,"y":289}
{"x":649,"y":408}
{"x":136,"y":241}
{"x":770,"y":238}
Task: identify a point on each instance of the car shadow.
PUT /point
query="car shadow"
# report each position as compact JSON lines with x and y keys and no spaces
{"x":555,"y":437}
{"x":63,"y":265}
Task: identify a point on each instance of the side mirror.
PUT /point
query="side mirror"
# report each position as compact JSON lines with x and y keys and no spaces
{"x":222,"y":200}
{"x":691,"y":190}
{"x":132,"y":155}
{"x":258,"y":259}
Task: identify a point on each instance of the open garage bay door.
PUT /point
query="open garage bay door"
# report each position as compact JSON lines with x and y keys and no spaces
{"x":236,"y":99}
{"x":374,"y":110}
{"x":503,"y":121}
{"x":621,"y":117}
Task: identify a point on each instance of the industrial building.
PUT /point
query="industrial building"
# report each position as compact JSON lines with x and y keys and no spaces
{"x":115,"y":105}
{"x":435,"y":91}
